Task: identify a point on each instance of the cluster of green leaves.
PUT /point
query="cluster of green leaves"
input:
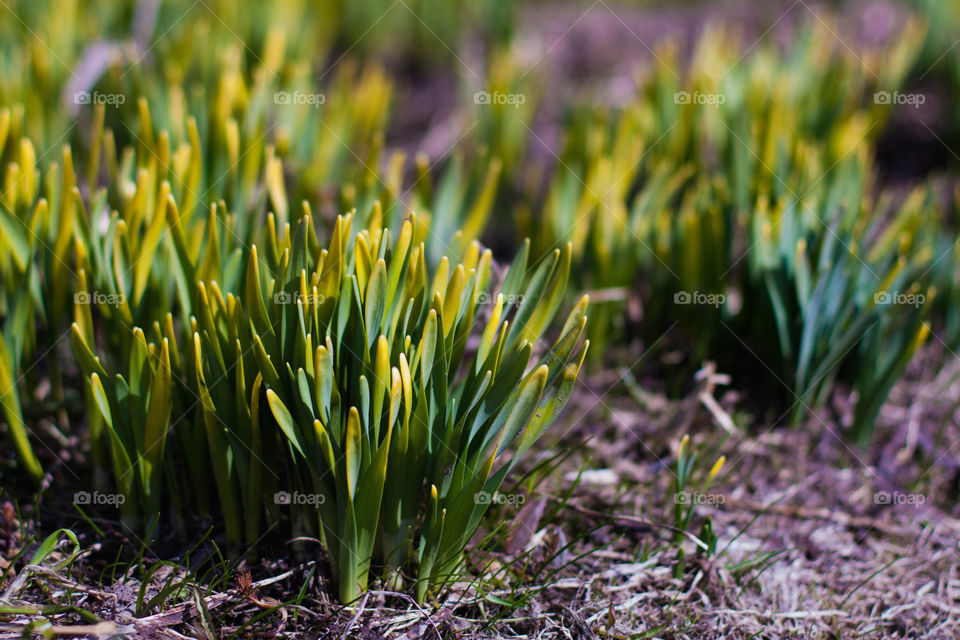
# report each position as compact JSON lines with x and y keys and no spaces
{"x":848,"y":293}
{"x":162,"y":52}
{"x":232,"y":149}
{"x":240,"y":151}
{"x":393,"y":401}
{"x":392,"y":420}
{"x":176,"y":411}
{"x":633,"y":179}
{"x":266,"y":89}
{"x":179,"y":54}
{"x":176,"y":394}
{"x":787,"y":232}
{"x":747,"y":181}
